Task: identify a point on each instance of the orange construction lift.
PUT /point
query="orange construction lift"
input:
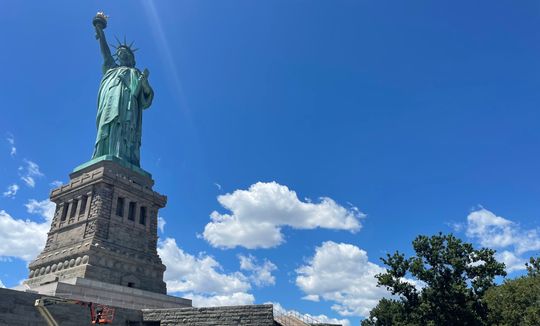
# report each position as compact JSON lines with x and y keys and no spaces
{"x":99,"y":314}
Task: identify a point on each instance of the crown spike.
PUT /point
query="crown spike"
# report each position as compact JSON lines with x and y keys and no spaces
{"x":117,"y":40}
{"x":114,"y":46}
{"x":125,"y":43}
{"x":130,"y":44}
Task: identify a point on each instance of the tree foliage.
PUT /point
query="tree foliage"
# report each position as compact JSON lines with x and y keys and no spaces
{"x":453,"y":279}
{"x":517,"y":301}
{"x":533,"y":266}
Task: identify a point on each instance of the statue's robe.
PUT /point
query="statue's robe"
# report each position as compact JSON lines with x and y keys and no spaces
{"x":121,"y":100}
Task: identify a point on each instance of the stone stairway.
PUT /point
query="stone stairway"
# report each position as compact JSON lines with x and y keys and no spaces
{"x":287,"y":320}
{"x":292,"y":318}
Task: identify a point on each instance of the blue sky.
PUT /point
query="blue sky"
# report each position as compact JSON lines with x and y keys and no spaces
{"x":386,"y":119}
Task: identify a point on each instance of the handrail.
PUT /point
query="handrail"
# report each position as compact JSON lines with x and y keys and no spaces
{"x":293,"y":318}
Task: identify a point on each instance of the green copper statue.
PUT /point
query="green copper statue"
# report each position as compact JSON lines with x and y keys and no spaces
{"x":124,"y":93}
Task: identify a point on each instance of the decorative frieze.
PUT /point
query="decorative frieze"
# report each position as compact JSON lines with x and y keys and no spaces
{"x":56,"y":267}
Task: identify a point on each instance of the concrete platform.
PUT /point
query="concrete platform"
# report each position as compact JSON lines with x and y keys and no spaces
{"x":108,"y":294}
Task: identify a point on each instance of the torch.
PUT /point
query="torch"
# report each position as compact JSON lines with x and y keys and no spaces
{"x":100,"y":21}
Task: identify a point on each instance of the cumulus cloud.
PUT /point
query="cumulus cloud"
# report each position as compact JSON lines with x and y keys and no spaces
{"x":11,"y":191}
{"x":307,"y":318}
{"x":2,"y":286}
{"x":29,"y":172}
{"x":261,"y":274}
{"x":202,"y":278}
{"x":234,"y":299}
{"x":161,"y":223}
{"x":22,"y":239}
{"x":498,"y":232}
{"x":259,"y":213}
{"x":511,"y":260}
{"x":341,"y":273}
{"x":45,"y":208}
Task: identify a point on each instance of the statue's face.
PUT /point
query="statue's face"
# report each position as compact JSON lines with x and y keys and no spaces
{"x":125,"y":57}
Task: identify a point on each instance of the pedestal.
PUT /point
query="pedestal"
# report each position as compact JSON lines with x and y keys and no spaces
{"x":104,"y":229}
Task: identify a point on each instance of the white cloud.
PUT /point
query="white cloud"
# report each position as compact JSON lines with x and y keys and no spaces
{"x":234,"y":299}
{"x":456,"y":226}
{"x":29,"y":173}
{"x":312,"y":297}
{"x":11,"y":191}
{"x":202,"y":278}
{"x":161,"y":223}
{"x":33,"y":169}
{"x":512,"y":262}
{"x":2,"y":286}
{"x":25,"y":239}
{"x":45,"y":208}
{"x":341,"y":273}
{"x":307,"y":318}
{"x":496,"y":232}
{"x":22,"y":239}
{"x":259,"y":213}
{"x":29,"y":181}
{"x":261,"y":275}
{"x":11,"y":141}
{"x":325,"y":319}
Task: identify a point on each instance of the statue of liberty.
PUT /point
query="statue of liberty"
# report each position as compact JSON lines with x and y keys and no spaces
{"x":124,"y":92}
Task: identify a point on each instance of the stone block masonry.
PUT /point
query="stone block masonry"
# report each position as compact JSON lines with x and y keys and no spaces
{"x":102,"y":245}
{"x":252,"y":315}
{"x":104,"y":229}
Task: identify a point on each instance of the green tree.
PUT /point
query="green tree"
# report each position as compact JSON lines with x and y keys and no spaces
{"x":533,"y":266}
{"x":517,"y":301}
{"x":453,"y":276}
{"x":387,"y":312}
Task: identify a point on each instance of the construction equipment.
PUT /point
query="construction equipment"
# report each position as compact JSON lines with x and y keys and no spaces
{"x":99,"y":314}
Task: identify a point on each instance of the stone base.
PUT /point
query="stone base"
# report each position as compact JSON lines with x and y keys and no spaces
{"x":104,"y":229}
{"x":108,"y":294}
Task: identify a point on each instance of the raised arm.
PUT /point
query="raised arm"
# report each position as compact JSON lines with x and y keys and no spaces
{"x":108,"y":60}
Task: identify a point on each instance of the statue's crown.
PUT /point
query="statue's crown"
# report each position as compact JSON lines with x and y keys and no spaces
{"x":124,"y":45}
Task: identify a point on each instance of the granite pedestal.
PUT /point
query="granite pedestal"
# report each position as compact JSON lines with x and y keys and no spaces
{"x":103,"y":235}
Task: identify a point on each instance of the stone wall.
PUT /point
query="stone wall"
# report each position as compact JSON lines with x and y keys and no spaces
{"x":17,"y":309}
{"x":253,"y":315}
